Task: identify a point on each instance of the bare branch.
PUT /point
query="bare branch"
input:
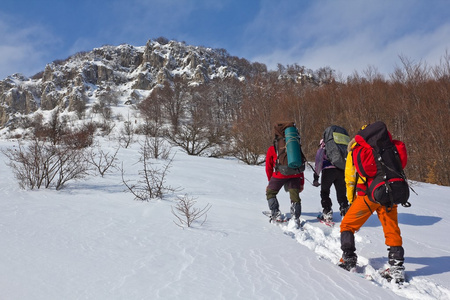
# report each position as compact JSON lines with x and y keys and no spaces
{"x":186,"y":213}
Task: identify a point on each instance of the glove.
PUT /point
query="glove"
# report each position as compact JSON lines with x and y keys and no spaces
{"x":316,"y":183}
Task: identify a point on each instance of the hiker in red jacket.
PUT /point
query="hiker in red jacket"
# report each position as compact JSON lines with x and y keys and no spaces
{"x":362,"y":207}
{"x":292,"y":183}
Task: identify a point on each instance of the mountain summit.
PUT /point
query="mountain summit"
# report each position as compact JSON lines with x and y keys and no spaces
{"x":129,"y":71}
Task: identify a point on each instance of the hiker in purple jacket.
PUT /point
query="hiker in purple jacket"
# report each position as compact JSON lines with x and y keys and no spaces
{"x":330,"y":175}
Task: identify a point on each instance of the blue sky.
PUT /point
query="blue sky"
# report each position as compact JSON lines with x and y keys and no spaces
{"x":346,"y":35}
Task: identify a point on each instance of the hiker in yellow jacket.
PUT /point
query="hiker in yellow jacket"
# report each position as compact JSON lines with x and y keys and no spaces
{"x":361,"y":208}
{"x":354,"y":187}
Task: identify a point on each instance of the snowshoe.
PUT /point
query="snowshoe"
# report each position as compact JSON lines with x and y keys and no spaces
{"x":394,"y":273}
{"x":327,"y":215}
{"x":326,"y":218}
{"x":277,"y":216}
{"x":299,"y":223}
{"x":348,"y":261}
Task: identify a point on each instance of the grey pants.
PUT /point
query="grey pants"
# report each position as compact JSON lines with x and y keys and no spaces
{"x":292,"y":185}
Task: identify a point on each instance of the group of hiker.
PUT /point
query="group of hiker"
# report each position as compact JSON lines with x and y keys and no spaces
{"x":367,"y":174}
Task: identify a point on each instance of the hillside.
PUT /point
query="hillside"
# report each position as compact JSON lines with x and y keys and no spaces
{"x":93,"y":241}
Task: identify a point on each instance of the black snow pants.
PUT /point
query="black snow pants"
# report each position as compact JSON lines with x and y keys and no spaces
{"x":329,"y":177}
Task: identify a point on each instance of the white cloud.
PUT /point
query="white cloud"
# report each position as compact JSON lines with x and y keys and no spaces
{"x":22,"y":49}
{"x":346,"y":35}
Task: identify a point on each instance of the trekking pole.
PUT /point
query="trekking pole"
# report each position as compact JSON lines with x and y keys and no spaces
{"x":313,"y":171}
{"x":312,"y":168}
{"x":308,"y":181}
{"x":402,"y":174}
{"x":409,"y":185}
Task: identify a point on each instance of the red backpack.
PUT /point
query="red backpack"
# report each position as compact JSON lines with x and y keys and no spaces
{"x":381,"y":160}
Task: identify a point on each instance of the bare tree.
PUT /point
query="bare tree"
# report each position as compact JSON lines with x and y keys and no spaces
{"x":199,"y":132}
{"x":186,"y":212}
{"x":252,"y":131}
{"x":151,"y":110}
{"x":174,"y":95}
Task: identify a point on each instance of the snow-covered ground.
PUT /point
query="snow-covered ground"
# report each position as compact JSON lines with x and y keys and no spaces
{"x":91,"y":240}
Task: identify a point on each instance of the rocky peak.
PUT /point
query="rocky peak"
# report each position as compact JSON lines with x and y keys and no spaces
{"x":127,"y":69}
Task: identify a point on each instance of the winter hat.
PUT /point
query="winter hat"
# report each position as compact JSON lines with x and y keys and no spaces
{"x":322,"y":143}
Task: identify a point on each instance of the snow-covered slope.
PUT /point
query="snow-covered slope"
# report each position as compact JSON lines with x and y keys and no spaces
{"x":93,"y":241}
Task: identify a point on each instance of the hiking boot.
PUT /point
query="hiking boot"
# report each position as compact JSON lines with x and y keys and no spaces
{"x":348,"y":261}
{"x":296,"y":210}
{"x":396,"y":273}
{"x":327,"y":215}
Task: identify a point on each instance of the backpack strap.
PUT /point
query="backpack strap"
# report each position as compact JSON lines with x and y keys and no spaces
{"x":383,"y":168}
{"x":401,"y":174}
{"x":275,"y":146}
{"x":356,"y":183}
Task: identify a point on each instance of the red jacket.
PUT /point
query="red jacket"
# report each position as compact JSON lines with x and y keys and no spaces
{"x":271,"y":158}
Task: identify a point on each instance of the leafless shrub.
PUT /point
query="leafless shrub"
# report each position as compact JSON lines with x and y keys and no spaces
{"x":55,"y":156}
{"x":102,"y":161}
{"x":79,"y":138}
{"x":53,"y":130}
{"x":106,"y":127}
{"x":102,"y":109}
{"x":71,"y":164}
{"x":152,"y":179}
{"x":29,"y":164}
{"x":186,"y":212}
{"x":126,"y":136}
{"x":156,"y":148}
{"x":43,"y":164}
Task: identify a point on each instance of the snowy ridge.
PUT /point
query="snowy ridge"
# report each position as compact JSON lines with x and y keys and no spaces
{"x":125,"y":72}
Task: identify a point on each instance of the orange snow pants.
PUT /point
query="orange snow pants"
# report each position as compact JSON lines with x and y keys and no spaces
{"x":360,"y":211}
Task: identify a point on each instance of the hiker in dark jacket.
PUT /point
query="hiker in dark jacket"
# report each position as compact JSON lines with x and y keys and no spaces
{"x":330,"y":175}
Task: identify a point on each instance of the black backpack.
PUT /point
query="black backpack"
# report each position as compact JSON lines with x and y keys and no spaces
{"x":279,"y":144}
{"x":336,"y":140}
{"x":380,"y":159}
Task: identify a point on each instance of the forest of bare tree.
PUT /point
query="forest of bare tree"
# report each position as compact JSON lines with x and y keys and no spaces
{"x":235,"y":117}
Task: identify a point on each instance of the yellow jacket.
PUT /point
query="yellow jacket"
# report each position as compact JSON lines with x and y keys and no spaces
{"x":350,"y":175}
